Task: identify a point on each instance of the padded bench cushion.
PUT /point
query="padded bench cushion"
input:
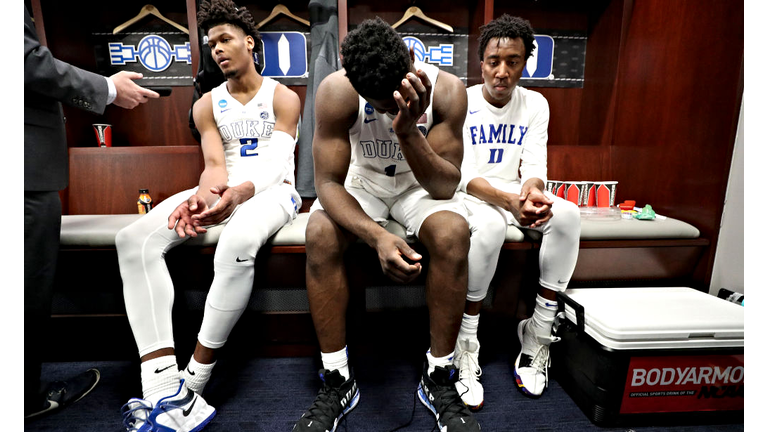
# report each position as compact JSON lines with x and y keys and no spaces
{"x":633,"y":229}
{"x":94,"y":231}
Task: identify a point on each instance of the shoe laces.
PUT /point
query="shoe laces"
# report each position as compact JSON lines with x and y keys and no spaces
{"x":469,"y":365}
{"x":327,"y":403}
{"x":450,"y":404}
{"x":541,"y":361}
{"x":134,"y":417}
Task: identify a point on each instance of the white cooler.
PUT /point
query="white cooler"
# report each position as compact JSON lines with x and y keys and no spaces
{"x":635,"y":356}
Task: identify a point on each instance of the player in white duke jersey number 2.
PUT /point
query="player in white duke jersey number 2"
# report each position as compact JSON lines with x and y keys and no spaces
{"x":248,"y":134}
{"x":506,"y":128}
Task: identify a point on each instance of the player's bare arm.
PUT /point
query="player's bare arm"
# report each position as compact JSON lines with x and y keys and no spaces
{"x":436,"y":159}
{"x":181,"y":218}
{"x":336,"y":106}
{"x":287,"y":107}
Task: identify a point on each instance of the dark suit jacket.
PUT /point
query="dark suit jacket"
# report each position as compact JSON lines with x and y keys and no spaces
{"x":47,"y":83}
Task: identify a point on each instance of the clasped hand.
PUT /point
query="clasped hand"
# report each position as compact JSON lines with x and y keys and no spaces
{"x":535,"y":209}
{"x":193,"y":215}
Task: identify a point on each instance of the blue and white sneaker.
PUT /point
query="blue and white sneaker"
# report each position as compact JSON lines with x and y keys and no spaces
{"x":184,"y":411}
{"x":335,"y":399}
{"x":438,"y":393}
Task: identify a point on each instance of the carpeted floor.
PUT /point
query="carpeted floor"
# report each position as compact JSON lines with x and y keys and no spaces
{"x":269,"y":394}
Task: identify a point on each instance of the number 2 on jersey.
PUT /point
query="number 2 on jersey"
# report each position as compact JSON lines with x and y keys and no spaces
{"x":248,"y":146}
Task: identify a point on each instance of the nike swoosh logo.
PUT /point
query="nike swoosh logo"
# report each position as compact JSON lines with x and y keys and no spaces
{"x":190,"y":372}
{"x":165,"y":368}
{"x":369,"y":120}
{"x":225,"y":110}
{"x":559,"y":281}
{"x":189,"y":410}
{"x":238,"y":260}
{"x":550,"y":305}
{"x":474,"y":112}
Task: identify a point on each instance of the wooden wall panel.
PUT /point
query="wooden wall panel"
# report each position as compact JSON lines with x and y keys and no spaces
{"x":107,"y":180}
{"x":679,"y":91}
{"x":579,"y":163}
{"x":595,"y":123}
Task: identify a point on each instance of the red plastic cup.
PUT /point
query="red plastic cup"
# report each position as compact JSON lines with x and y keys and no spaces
{"x":605,"y":193}
{"x":103,"y":134}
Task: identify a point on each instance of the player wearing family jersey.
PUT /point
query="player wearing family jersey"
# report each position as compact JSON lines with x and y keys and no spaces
{"x":387,"y":143}
{"x":248,"y":132}
{"x":506,"y":128}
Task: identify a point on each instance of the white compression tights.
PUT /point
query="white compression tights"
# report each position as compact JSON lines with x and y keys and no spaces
{"x":147,"y":286}
{"x":557,"y":256}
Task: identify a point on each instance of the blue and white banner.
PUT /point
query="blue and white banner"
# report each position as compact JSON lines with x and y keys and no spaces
{"x":446,"y":51}
{"x":286,"y":56}
{"x":557,"y":61}
{"x":158,"y":51}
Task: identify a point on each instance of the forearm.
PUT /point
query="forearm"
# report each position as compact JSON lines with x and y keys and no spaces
{"x":208,"y":179}
{"x":437,"y":176}
{"x":346,"y":211}
{"x":533,"y":182}
{"x":481,"y":188}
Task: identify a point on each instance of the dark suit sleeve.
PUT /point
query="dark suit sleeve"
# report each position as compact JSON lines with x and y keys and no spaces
{"x":46,"y":76}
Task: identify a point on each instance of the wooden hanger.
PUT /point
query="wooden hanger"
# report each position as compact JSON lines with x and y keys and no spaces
{"x":147,"y":10}
{"x":281,"y":10}
{"x":414,"y":11}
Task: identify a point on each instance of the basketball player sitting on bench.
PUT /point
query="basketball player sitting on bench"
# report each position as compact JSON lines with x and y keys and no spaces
{"x":387,"y":143}
{"x":507,"y":124}
{"x":248,"y":133}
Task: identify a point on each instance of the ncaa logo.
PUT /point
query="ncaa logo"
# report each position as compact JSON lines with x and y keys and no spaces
{"x":368,"y":109}
{"x":264,"y":115}
{"x":539,"y":64}
{"x":440,"y":55}
{"x":223,"y":103}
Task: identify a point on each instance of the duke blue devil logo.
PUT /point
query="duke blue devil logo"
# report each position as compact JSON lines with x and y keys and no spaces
{"x":539,"y":64}
{"x":285,"y":54}
{"x":153,"y":52}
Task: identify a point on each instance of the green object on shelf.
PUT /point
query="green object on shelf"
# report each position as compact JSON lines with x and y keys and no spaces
{"x":646,"y":213}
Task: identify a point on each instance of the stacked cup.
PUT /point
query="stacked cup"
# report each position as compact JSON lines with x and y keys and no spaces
{"x":585,"y":193}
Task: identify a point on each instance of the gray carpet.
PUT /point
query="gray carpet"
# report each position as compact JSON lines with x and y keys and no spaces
{"x":269,"y":394}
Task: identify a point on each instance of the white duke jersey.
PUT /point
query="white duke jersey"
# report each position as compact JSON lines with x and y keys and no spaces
{"x":496,"y":140}
{"x":246,"y":132}
{"x":376,"y":156}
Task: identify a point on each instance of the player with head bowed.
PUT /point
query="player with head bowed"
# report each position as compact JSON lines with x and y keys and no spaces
{"x":506,"y":128}
{"x":248,"y":132}
{"x":387,"y":143}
